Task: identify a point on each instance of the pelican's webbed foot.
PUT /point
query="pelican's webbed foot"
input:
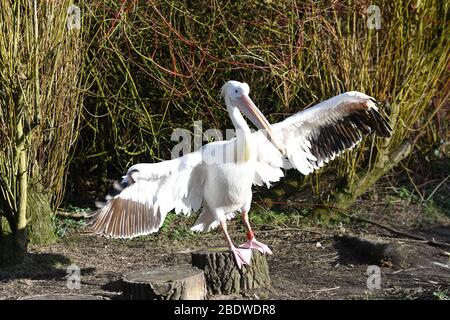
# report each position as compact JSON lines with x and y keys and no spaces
{"x":255,"y":244}
{"x":242,"y":256}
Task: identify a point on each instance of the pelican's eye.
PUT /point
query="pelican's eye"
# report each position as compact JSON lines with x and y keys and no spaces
{"x":236,"y":90}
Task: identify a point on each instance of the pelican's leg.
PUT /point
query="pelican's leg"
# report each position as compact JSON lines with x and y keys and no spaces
{"x":251,"y":242}
{"x":242,"y":256}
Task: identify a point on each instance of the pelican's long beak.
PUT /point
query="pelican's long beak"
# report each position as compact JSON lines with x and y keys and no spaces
{"x":251,"y":111}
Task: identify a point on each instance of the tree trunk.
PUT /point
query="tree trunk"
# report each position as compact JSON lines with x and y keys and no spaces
{"x":41,"y":229}
{"x":170,"y":283}
{"x":224,"y":277}
{"x":22,"y":177}
{"x":13,"y":247}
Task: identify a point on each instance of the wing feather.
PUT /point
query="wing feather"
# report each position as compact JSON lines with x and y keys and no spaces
{"x":318,"y":134}
{"x":151,"y":191}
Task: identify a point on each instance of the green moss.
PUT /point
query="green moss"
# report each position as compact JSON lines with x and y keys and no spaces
{"x":41,"y":229}
{"x":5,"y":226}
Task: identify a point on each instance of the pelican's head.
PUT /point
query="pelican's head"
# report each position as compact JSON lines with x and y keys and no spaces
{"x":235,"y":90}
{"x":236,"y":94}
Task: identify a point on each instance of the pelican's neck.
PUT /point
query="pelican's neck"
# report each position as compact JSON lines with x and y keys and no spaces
{"x":244,"y":138}
{"x":238,"y":120}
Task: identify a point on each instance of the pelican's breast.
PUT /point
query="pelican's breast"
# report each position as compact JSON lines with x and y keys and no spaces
{"x":246,"y":147}
{"x":229,"y":186}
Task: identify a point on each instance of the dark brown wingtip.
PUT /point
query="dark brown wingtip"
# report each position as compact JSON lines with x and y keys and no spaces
{"x":382,"y":126}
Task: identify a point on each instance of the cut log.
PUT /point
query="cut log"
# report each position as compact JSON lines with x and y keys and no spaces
{"x":181,"y":282}
{"x":379,"y":252}
{"x":224,"y":277}
{"x":63,"y":297}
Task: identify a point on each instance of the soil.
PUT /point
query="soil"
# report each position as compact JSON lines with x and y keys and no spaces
{"x":309,"y":262}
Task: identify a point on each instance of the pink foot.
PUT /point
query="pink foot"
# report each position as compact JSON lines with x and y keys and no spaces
{"x":242,"y":256}
{"x":255,"y":244}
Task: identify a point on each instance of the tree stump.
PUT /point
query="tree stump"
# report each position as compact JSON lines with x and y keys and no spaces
{"x":379,"y":252}
{"x":224,"y":277}
{"x":181,"y":282}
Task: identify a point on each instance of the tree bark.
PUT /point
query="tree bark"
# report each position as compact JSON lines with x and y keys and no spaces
{"x":13,"y":247}
{"x":181,"y":282}
{"x":224,"y":277}
{"x":40,"y":227}
{"x":22,"y":177}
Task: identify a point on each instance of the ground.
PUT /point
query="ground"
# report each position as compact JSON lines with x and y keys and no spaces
{"x":309,"y":260}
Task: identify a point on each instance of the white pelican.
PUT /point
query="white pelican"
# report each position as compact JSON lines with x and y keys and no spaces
{"x":218,"y":178}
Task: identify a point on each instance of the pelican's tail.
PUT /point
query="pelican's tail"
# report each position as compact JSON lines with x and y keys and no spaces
{"x":207,"y":222}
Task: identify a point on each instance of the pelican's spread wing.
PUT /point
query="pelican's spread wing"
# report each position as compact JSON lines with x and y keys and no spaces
{"x":316,"y":135}
{"x":152,"y":190}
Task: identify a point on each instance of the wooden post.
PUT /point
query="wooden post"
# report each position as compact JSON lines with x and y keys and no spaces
{"x":181,"y":282}
{"x":224,"y":277}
